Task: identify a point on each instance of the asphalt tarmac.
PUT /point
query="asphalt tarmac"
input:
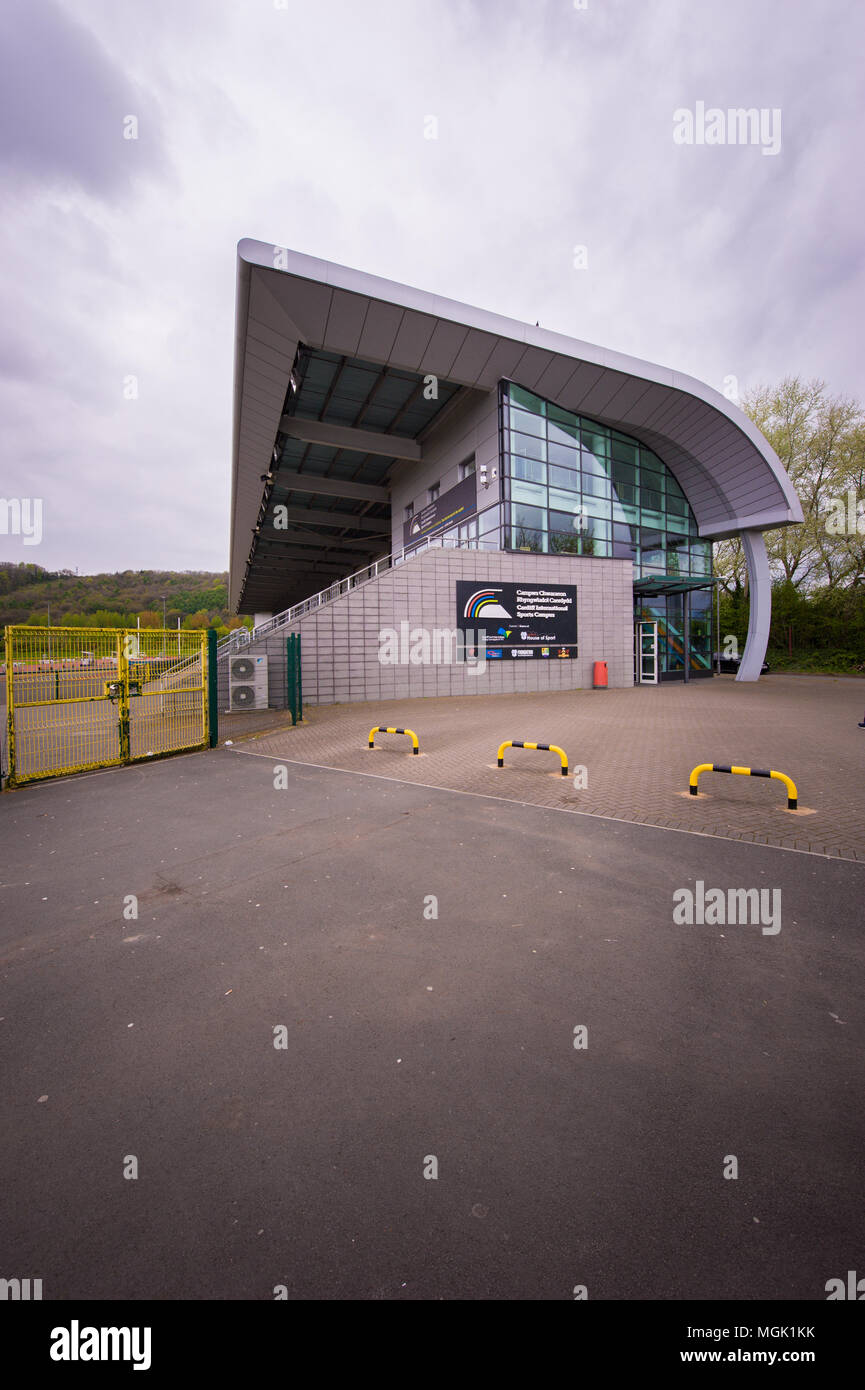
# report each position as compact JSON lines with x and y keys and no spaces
{"x":304,"y":916}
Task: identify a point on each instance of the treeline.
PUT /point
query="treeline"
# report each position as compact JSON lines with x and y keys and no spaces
{"x":818,"y":568}
{"x":823,"y":630}
{"x":197,"y":598}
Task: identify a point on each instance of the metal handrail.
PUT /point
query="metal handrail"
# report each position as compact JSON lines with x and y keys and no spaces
{"x":242,"y":636}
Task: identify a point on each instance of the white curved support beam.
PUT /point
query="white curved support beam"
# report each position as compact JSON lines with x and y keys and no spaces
{"x":760,"y":617}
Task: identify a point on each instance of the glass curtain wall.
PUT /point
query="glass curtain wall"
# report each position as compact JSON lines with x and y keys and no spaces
{"x":572,"y":486}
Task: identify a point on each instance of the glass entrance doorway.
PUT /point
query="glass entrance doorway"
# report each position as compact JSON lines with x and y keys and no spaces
{"x":645,"y":653}
{"x":681,"y":612}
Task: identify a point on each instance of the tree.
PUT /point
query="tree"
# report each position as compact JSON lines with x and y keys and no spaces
{"x":198,"y":620}
{"x":819,"y":440}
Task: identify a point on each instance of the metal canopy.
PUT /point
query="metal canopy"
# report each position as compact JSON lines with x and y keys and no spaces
{"x":667,"y":584}
{"x":359,"y":348}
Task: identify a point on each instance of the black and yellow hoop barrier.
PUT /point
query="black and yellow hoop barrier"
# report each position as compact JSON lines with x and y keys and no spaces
{"x":541,"y":747}
{"x":792,"y":794}
{"x":380,"y":729}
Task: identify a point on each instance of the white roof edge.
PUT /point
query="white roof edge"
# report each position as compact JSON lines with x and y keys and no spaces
{"x":264,"y":254}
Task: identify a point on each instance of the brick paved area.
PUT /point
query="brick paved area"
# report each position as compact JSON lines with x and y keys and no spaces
{"x":638,"y":747}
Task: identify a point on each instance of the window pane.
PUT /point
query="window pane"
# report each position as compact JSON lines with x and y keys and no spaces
{"x":529,"y":424}
{"x":528,"y":516}
{"x":596,"y":485}
{"x":623,"y":451}
{"x":525,"y":398}
{"x":565,"y":501}
{"x":596,"y":506}
{"x":567,"y":436}
{"x":650,"y":460}
{"x":626,"y":494}
{"x":532,"y":493}
{"x":595,"y":439}
{"x":562,"y":478}
{"x":529,"y":446}
{"x":678,"y":554}
{"x":529,"y":470}
{"x":559,"y":454}
{"x":526,"y":538}
{"x":624,"y":473}
{"x":701,"y":558}
{"x":563,"y":521}
{"x":622,"y":512}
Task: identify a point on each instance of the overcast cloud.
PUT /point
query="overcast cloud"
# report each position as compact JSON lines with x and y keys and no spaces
{"x":303,"y":124}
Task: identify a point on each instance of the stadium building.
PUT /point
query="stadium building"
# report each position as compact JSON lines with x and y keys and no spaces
{"x":406,"y":465}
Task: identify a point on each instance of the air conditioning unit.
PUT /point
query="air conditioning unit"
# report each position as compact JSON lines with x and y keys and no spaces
{"x":247,"y":682}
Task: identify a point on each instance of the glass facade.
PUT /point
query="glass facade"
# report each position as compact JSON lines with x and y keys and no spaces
{"x":570,"y":486}
{"x":573,"y":486}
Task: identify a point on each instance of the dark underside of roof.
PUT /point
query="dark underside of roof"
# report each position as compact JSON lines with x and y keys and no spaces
{"x":334,"y":512}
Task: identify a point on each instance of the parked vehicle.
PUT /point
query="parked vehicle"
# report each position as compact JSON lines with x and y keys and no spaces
{"x":729,"y":665}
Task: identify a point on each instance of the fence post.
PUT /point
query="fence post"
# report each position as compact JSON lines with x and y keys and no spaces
{"x":292,"y":675}
{"x":123,"y":695}
{"x":8,"y":653}
{"x":212,"y":689}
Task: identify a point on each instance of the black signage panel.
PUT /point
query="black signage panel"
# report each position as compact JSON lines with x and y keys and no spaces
{"x":520,"y":621}
{"x":448,"y":510}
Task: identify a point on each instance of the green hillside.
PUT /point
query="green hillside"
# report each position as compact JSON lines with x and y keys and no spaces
{"x":198,"y":598}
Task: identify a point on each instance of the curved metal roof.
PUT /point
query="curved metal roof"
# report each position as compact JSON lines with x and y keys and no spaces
{"x":731,"y":476}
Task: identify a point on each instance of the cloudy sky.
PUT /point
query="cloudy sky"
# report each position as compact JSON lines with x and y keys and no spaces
{"x":305,"y":123}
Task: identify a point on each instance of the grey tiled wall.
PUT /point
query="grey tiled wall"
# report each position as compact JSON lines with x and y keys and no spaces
{"x":341,"y":642}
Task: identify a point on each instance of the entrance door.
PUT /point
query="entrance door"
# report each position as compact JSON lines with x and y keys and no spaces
{"x":646,"y":653}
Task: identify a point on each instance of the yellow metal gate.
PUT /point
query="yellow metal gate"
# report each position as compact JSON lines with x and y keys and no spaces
{"x":83,"y":697}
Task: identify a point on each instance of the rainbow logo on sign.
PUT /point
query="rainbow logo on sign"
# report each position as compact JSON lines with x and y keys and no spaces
{"x":484,"y":604}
